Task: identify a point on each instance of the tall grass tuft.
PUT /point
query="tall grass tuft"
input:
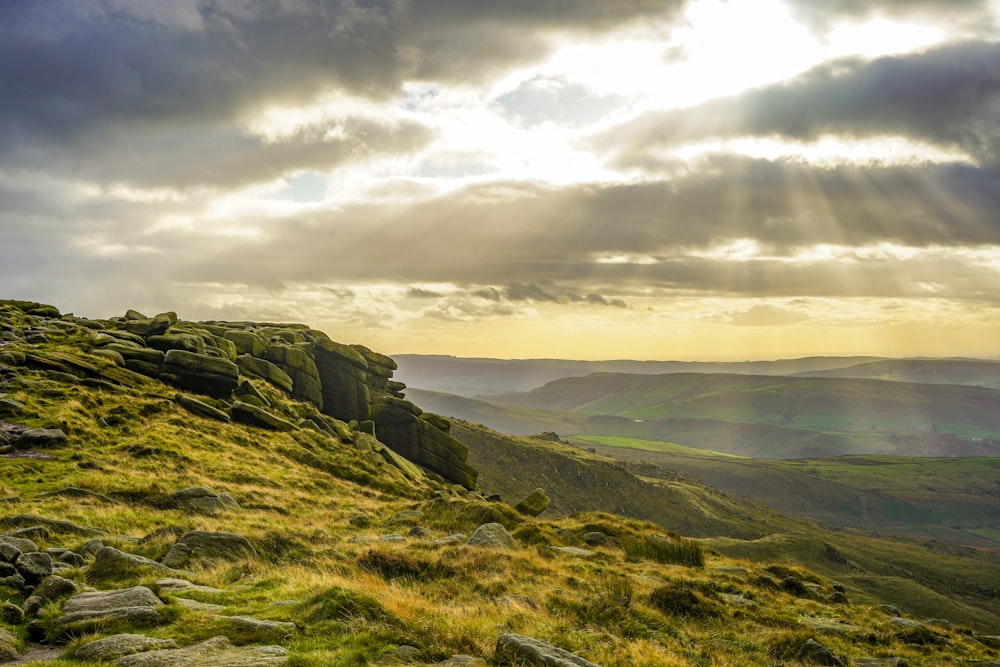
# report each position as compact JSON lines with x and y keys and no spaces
{"x":678,"y":551}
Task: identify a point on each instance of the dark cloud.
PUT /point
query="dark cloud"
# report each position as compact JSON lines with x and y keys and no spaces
{"x":111,"y":86}
{"x":418,"y":293}
{"x":949,"y":97}
{"x":821,"y":13}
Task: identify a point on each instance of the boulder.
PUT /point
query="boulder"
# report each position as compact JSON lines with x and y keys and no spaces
{"x":55,"y":525}
{"x":110,"y":564}
{"x":11,"y":614}
{"x":133,"y":352}
{"x":87,"y":611}
{"x":202,"y":545}
{"x":200,"y":499}
{"x":344,"y":379}
{"x":214,"y":652}
{"x":279,"y":629}
{"x":251,"y":415}
{"x":200,"y":373}
{"x":51,"y":589}
{"x":265,"y":370}
{"x":534,"y":503}
{"x":416,"y":438}
{"x":491,"y":535}
{"x":116,"y":646}
{"x":297,"y":361}
{"x":530,"y":652}
{"x":152,"y":326}
{"x":7,"y":643}
{"x":34,"y":566}
{"x":39,"y":438}
{"x":177,"y":341}
{"x":814,"y":653}
{"x":246,"y":342}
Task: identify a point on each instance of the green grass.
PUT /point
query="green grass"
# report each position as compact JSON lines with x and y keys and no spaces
{"x":646,"y":446}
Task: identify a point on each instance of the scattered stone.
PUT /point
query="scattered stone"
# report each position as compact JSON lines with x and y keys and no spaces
{"x":200,"y":499}
{"x":392,"y":538}
{"x":203,"y":545}
{"x":595,"y":538}
{"x":492,"y":535}
{"x":411,"y":517}
{"x":419,"y":532}
{"x":11,"y":614}
{"x":829,"y":625}
{"x":91,"y":547}
{"x":34,"y":566}
{"x":110,"y":563}
{"x":890,"y":610}
{"x":534,"y":503}
{"x":55,"y":525}
{"x":245,"y":413}
{"x":360,"y":521}
{"x":75,"y":492}
{"x":173,"y":585}
{"x":879,"y":662}
{"x":737,"y":600}
{"x":39,"y":438}
{"x":7,"y":651}
{"x":53,"y":588}
{"x":815,"y":653}
{"x":404,"y":654}
{"x":901,"y":622}
{"x":199,"y":606}
{"x":11,"y":548}
{"x":10,"y":407}
{"x":530,"y":652}
{"x":280,"y":629}
{"x":462,"y":661}
{"x":116,"y":646}
{"x":214,"y":652}
{"x":31,"y":533}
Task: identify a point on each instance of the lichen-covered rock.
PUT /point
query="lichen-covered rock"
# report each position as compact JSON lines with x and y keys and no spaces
{"x":297,"y":361}
{"x":116,"y":646}
{"x":11,"y":614}
{"x":246,"y":342}
{"x":7,"y":651}
{"x":34,"y":566}
{"x":200,"y":373}
{"x":251,"y":415}
{"x":416,"y":438}
{"x":344,"y":374}
{"x":200,"y":499}
{"x":39,"y":438}
{"x":534,"y":503}
{"x":55,"y":525}
{"x":278,"y":629}
{"x":203,"y":545}
{"x":152,"y":326}
{"x":177,"y":341}
{"x":110,"y":564}
{"x":530,"y":652}
{"x":265,"y":370}
{"x":84,"y":612}
{"x":493,"y":536}
{"x":53,"y":588}
{"x":214,"y":652}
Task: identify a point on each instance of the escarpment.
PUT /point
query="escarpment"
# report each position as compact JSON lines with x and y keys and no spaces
{"x":349,"y":383}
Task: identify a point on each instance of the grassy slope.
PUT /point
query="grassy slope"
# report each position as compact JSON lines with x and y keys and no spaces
{"x":733,"y":526}
{"x":954,"y":500}
{"x":973,"y":372}
{"x":300,"y":489}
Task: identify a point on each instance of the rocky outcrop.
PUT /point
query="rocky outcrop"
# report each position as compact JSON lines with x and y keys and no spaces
{"x":492,"y":536}
{"x":214,"y":652}
{"x":534,"y":503}
{"x":200,"y":373}
{"x":117,"y":646}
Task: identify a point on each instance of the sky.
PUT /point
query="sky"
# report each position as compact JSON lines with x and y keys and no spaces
{"x":589,"y":179}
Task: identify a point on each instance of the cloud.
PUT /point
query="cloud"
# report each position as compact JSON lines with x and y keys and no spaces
{"x":949,"y":97}
{"x":821,"y":13}
{"x":766,"y":315}
{"x":420,"y":293}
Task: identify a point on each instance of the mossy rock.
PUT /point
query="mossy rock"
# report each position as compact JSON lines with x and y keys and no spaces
{"x":251,"y":415}
{"x":297,"y":361}
{"x":265,"y":370}
{"x":200,"y":373}
{"x":246,"y":342}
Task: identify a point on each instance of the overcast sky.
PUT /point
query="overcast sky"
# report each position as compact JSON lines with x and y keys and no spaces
{"x":666,"y":179}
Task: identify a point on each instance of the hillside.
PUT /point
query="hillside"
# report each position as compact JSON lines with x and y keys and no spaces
{"x":183,"y":513}
{"x":973,"y":372}
{"x":469,"y":376}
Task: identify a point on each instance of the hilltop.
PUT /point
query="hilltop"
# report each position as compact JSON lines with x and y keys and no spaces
{"x":219,"y":493}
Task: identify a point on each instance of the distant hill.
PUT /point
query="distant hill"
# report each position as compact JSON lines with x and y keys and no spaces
{"x":830,"y":405}
{"x":973,"y":372}
{"x":475,"y":376}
